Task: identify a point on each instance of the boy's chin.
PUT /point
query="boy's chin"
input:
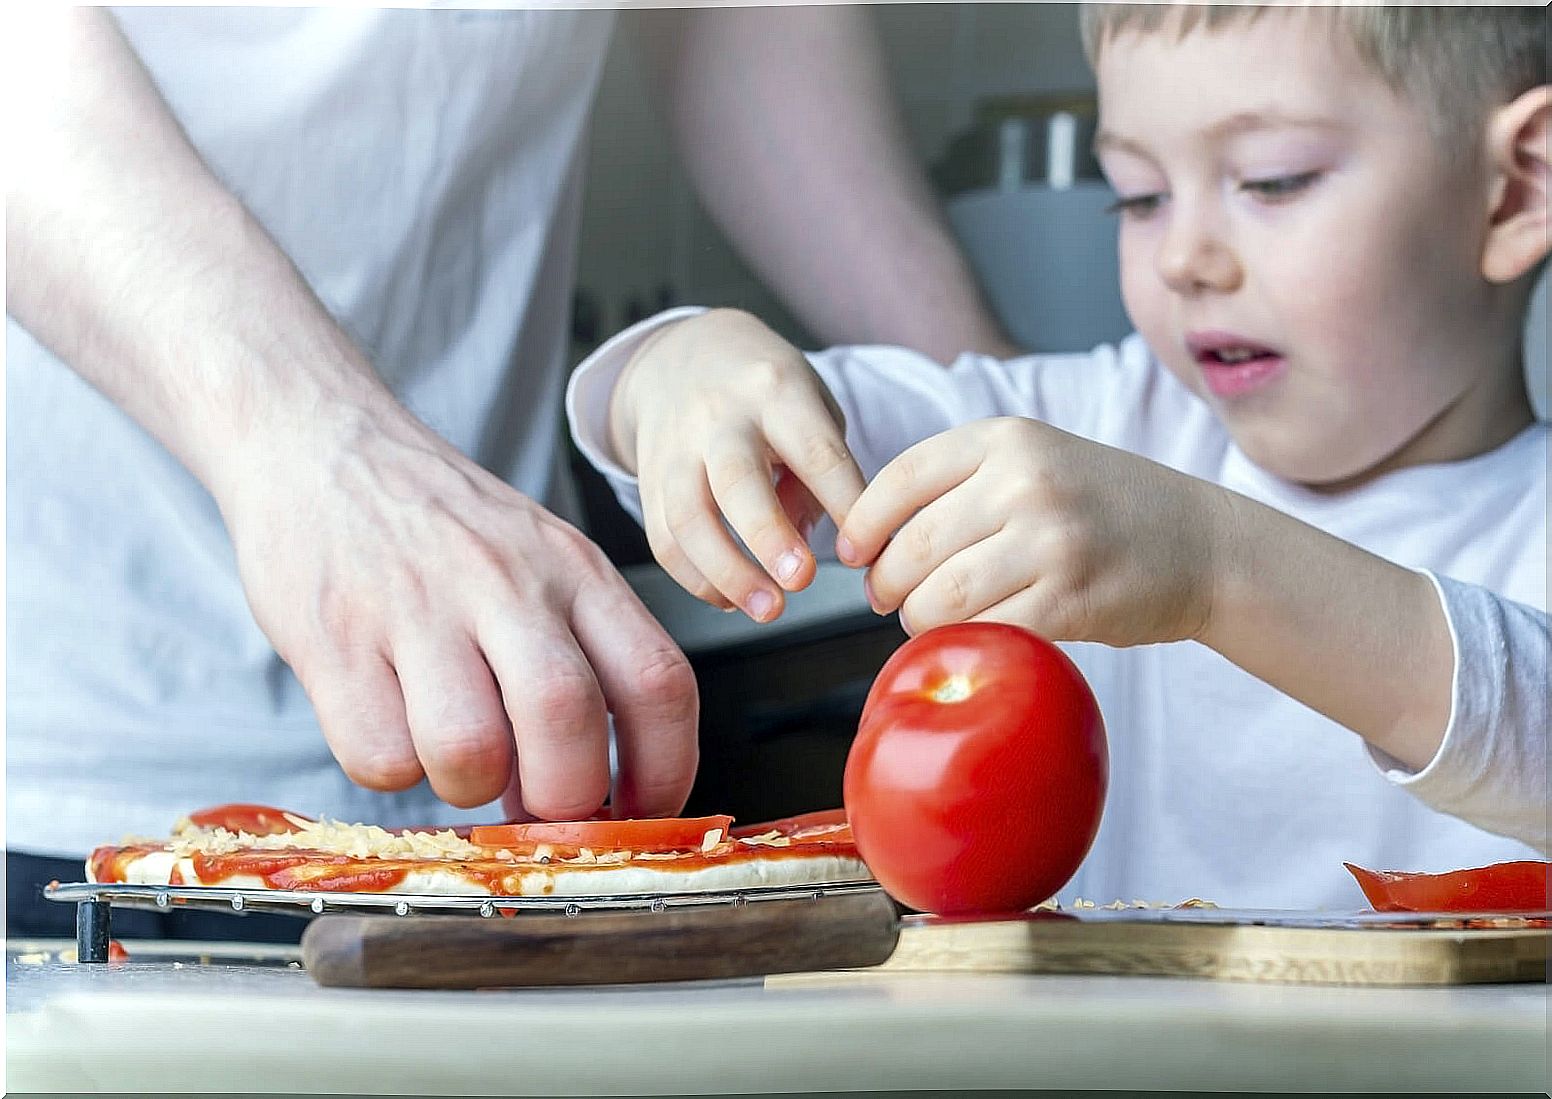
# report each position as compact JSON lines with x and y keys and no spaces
{"x":1317,"y":462}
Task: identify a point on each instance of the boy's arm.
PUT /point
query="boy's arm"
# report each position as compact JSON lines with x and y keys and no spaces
{"x":786,"y":124}
{"x":1011,"y":520}
{"x":1447,"y":682}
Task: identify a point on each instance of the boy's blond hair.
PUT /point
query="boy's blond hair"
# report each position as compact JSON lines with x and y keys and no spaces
{"x":1458,"y":62}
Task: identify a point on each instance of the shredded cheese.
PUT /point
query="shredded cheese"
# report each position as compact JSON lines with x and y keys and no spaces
{"x":331,"y":836}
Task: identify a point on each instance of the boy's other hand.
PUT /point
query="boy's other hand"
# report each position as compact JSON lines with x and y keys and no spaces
{"x":732,"y":433}
{"x":1011,"y":520}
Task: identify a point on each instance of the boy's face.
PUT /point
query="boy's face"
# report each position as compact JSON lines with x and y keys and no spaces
{"x":1294,"y":246}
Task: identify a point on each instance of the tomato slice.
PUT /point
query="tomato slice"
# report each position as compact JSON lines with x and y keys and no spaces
{"x":1501,"y":887}
{"x":820,"y":824}
{"x":256,"y":820}
{"x":651,"y":834}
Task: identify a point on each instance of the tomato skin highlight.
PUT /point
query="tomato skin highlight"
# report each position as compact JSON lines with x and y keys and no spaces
{"x":978,"y":775}
{"x":1501,"y":887}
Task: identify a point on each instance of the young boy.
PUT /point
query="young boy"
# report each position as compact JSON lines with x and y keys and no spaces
{"x":1306,"y":501}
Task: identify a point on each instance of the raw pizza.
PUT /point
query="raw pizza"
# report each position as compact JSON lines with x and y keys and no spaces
{"x":257,"y":847}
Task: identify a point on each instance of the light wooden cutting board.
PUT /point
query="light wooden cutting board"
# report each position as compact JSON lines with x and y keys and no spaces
{"x":1227,"y":945}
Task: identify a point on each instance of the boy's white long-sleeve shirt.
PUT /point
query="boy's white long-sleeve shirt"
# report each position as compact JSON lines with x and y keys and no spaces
{"x":1221,"y":786}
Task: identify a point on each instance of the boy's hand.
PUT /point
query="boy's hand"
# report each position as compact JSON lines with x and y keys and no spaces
{"x":709,"y":413}
{"x":1011,"y":520}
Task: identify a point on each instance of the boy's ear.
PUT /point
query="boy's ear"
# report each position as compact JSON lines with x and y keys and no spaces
{"x":1518,"y":227}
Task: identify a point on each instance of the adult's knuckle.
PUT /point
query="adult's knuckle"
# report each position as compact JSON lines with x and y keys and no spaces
{"x":384,"y":768}
{"x":565,"y":701}
{"x":473,"y":748}
{"x":665,"y":677}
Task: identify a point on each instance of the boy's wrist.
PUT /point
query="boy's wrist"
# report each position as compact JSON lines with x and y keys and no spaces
{"x":624,"y":400}
{"x":1226,"y":564}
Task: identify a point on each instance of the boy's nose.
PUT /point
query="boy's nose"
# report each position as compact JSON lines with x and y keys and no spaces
{"x":1193,"y":260}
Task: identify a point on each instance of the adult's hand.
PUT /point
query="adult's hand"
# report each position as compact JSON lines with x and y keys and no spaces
{"x":436,"y":617}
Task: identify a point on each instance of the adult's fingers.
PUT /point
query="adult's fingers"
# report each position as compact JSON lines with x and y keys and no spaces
{"x":965,"y":584}
{"x":556,"y":710}
{"x":455,"y":715}
{"x":651,"y":691}
{"x":360,"y":709}
{"x":952,"y":523}
{"x":911,"y":481}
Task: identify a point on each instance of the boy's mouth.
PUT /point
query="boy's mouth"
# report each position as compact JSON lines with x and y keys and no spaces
{"x":1232,"y":365}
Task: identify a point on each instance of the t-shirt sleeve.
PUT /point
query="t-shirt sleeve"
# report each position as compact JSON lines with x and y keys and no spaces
{"x":893,"y":397}
{"x":1491,"y":768}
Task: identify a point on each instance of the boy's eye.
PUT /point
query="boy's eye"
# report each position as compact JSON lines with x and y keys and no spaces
{"x":1136,"y":206}
{"x":1279,"y":186}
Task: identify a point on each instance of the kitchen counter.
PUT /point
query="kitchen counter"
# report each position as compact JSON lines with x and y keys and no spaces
{"x":167,"y":1025}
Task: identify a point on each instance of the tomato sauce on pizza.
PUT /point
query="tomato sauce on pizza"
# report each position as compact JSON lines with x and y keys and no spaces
{"x":260,"y":847}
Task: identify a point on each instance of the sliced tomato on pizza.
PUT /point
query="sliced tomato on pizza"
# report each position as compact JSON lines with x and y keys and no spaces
{"x":571,"y":836}
{"x":260,"y":847}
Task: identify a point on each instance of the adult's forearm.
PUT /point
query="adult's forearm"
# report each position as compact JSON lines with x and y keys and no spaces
{"x":132,"y":262}
{"x":787,"y":125}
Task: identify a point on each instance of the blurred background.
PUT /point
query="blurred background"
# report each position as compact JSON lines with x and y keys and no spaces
{"x":999,"y":103}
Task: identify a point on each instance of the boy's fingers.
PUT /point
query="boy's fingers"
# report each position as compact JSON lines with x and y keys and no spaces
{"x":694,"y":524}
{"x":948,"y":526}
{"x":963,"y":586}
{"x":1041,"y":608}
{"x":813,"y":446}
{"x":740,"y":483}
{"x":671,"y":556}
{"x":797,"y":503}
{"x":910,"y":482}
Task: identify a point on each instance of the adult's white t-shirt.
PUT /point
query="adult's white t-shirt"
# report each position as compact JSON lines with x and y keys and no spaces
{"x":421,"y":169}
{"x":1221,"y":786}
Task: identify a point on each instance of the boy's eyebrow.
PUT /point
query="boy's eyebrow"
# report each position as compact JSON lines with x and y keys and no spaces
{"x":1238,"y":123}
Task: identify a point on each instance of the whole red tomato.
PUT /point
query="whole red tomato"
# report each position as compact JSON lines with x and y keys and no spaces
{"x":978,"y":775}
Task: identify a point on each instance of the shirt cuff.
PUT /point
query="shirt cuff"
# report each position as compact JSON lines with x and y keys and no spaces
{"x":1460,"y":765}
{"x":592,"y":385}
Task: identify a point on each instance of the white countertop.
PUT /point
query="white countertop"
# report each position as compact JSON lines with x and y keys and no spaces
{"x":151,"y":1026}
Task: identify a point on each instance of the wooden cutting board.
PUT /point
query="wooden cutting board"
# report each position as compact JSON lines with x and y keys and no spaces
{"x":621,"y":947}
{"x":861,"y":935}
{"x":1226,"y":945}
